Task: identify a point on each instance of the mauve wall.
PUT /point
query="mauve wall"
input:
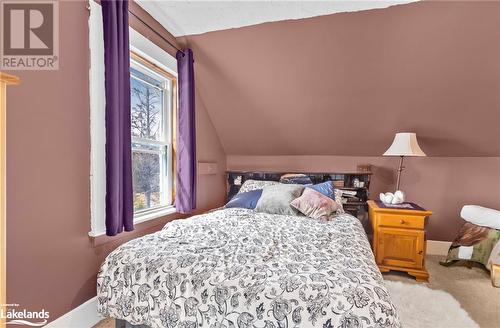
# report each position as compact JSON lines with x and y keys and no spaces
{"x":440,"y":184}
{"x":280,"y":94}
{"x":51,"y":262}
{"x":343,"y":84}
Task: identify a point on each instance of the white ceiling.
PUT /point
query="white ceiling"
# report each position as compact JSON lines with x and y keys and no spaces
{"x":196,"y":17}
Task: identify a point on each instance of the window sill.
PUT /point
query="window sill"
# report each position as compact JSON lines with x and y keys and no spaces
{"x":142,"y":226}
{"x":154,"y":214}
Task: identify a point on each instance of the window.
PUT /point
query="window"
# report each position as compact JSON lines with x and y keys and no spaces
{"x":153,"y":104}
{"x":153,"y":98}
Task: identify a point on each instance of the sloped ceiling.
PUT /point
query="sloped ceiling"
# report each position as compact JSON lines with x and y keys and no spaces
{"x":195,"y":17}
{"x":343,"y":84}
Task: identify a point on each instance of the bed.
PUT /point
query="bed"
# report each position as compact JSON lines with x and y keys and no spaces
{"x":239,"y":268}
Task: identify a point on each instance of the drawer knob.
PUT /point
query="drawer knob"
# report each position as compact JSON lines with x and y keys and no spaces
{"x":402,"y":221}
{"x":420,"y":253}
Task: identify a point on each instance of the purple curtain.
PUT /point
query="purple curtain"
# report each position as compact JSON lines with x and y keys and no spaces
{"x":185,"y":196}
{"x":119,"y":195}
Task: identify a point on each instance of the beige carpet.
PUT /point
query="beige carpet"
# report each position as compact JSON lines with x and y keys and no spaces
{"x":470,"y":287}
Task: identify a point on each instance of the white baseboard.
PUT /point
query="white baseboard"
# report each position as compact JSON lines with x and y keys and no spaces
{"x":436,"y":247}
{"x":84,"y":316}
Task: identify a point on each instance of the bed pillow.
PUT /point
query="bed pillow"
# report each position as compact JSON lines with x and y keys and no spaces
{"x":315,"y":205}
{"x":295,"y":178}
{"x":327,"y":189}
{"x":276,"y":199}
{"x":247,"y":199}
{"x":250,"y":185}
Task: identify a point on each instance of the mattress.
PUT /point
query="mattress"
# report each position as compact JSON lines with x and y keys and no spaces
{"x":238,"y":268}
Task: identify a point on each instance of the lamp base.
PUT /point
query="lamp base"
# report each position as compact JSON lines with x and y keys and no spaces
{"x":400,"y":169}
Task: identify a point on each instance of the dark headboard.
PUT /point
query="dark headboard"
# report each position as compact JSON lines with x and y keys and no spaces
{"x":236,"y":178}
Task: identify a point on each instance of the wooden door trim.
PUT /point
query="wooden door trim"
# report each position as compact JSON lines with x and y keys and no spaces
{"x":5,"y":79}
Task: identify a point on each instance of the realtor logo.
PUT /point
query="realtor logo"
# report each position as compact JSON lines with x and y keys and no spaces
{"x":30,"y":35}
{"x":11,"y":315}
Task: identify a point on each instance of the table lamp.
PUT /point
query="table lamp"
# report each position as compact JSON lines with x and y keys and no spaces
{"x":404,"y":144}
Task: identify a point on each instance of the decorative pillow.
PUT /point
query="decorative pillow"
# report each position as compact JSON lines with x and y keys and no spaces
{"x":276,"y":199}
{"x":315,"y":205}
{"x":327,"y":189}
{"x":250,"y":185}
{"x":295,"y":178}
{"x":247,"y":199}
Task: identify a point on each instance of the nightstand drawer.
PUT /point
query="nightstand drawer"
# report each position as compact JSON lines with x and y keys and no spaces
{"x":401,"y":221}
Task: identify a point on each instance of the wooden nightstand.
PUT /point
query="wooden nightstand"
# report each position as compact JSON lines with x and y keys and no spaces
{"x":399,"y":239}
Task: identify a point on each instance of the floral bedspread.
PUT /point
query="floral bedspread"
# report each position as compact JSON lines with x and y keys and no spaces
{"x":238,"y":268}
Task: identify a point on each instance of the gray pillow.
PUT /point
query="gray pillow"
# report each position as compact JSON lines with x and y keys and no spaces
{"x":276,"y":199}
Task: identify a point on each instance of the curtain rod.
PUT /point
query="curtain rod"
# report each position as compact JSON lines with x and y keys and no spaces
{"x":161,"y":36}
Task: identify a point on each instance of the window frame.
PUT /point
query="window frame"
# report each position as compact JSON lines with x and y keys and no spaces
{"x":169,"y":106}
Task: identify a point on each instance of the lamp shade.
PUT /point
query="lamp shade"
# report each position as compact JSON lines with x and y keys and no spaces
{"x":404,"y":144}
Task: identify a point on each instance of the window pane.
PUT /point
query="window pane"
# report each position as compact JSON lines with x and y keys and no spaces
{"x":146,"y":102}
{"x":148,"y":147}
{"x":148,"y":181}
{"x":145,"y":77}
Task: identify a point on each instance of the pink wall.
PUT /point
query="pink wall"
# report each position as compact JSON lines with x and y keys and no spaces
{"x":51,"y":262}
{"x":343,"y":84}
{"x":440,"y":184}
